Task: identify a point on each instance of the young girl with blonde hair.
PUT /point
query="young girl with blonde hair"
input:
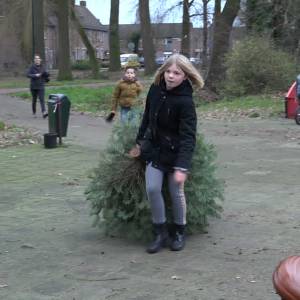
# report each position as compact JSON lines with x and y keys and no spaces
{"x":168,"y":129}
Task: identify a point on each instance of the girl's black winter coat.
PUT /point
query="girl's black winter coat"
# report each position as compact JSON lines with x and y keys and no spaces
{"x":171,"y":116}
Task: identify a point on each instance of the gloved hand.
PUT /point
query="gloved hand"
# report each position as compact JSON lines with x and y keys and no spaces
{"x":110,"y":117}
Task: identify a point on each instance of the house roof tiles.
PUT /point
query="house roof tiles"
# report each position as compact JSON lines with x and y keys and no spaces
{"x":87,"y":19}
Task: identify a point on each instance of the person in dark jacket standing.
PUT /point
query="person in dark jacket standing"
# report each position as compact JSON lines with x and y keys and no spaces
{"x":166,"y":141}
{"x":38,"y":76}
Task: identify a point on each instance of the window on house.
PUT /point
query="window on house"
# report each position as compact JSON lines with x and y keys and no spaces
{"x":97,"y":52}
{"x":168,"y":44}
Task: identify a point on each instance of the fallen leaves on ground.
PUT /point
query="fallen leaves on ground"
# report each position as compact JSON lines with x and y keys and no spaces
{"x":14,"y":136}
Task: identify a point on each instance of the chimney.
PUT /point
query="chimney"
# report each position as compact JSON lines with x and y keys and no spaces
{"x":83,"y":3}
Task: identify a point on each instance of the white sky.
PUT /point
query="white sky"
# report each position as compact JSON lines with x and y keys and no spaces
{"x":101,"y":10}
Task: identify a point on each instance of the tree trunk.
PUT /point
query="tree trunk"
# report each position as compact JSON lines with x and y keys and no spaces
{"x":15,"y":36}
{"x":64,"y":64}
{"x":147,"y":37}
{"x":27,"y":35}
{"x":38,"y":43}
{"x":91,"y":51}
{"x":185,"y":35}
{"x":205,"y":34}
{"x":250,"y":14}
{"x":114,"y":44}
{"x":222,"y":29}
{"x":279,"y":11}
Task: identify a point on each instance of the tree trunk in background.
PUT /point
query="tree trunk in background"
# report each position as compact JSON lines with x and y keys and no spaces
{"x":64,"y":63}
{"x":278,"y":20}
{"x":185,"y":35}
{"x":15,"y":36}
{"x":205,"y":34}
{"x":135,"y":39}
{"x":114,"y":43}
{"x":147,"y":37}
{"x":222,"y":29}
{"x":38,"y":43}
{"x":295,"y":33}
{"x":27,"y":35}
{"x":91,"y":51}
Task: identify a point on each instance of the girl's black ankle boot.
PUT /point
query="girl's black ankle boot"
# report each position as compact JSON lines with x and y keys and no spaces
{"x":178,"y":238}
{"x":161,"y":237}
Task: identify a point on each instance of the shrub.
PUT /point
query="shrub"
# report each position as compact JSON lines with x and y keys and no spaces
{"x":254,"y":66}
{"x":81,"y":65}
{"x":132,"y":64}
{"x":117,"y":189}
{"x":2,"y":125}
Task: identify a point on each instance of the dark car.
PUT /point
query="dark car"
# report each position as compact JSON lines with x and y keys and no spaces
{"x":195,"y":60}
{"x":159,"y":61}
{"x":142,"y":61}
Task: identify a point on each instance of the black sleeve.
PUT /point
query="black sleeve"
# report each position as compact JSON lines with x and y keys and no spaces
{"x":30,"y":72}
{"x":187,"y":134}
{"x":145,"y":119}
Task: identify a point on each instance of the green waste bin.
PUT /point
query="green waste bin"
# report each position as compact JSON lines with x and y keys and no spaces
{"x":58,"y":114}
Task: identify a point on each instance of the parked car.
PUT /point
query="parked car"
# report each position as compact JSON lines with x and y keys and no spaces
{"x":142,"y":61}
{"x":195,"y":60}
{"x":131,"y":59}
{"x":159,"y":61}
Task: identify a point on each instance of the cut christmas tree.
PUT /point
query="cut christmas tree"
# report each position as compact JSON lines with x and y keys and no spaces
{"x":117,"y":192}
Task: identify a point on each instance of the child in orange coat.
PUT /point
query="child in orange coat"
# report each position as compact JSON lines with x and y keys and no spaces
{"x":126,"y":95}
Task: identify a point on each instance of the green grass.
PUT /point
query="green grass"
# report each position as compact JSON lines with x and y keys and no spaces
{"x":260,"y":103}
{"x":24,"y":82}
{"x":82,"y":98}
{"x":74,"y":82}
{"x":14,"y":83}
{"x":99,"y":99}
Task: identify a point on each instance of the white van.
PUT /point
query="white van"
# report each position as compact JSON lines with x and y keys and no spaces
{"x":130,"y":58}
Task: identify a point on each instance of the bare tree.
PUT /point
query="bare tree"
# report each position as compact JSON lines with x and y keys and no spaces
{"x":223,"y":22}
{"x":191,"y":10}
{"x":147,"y":37}
{"x":185,"y":36}
{"x":90,"y":49}
{"x":205,"y":34}
{"x":114,"y":44}
{"x":26,"y":36}
{"x":278,"y":20}
{"x":15,"y":35}
{"x":38,"y":43}
{"x":64,"y":63}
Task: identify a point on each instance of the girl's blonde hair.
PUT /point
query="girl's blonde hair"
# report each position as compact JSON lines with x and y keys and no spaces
{"x":185,"y":65}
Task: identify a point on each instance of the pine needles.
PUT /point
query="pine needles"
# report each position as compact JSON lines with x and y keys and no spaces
{"x":117,"y":189}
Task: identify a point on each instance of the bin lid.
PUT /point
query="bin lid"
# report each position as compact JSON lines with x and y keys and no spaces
{"x":53,"y":98}
{"x":292,"y":91}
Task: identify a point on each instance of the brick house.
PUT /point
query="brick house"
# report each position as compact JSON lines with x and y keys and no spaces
{"x":167,"y":38}
{"x":96,"y":32}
